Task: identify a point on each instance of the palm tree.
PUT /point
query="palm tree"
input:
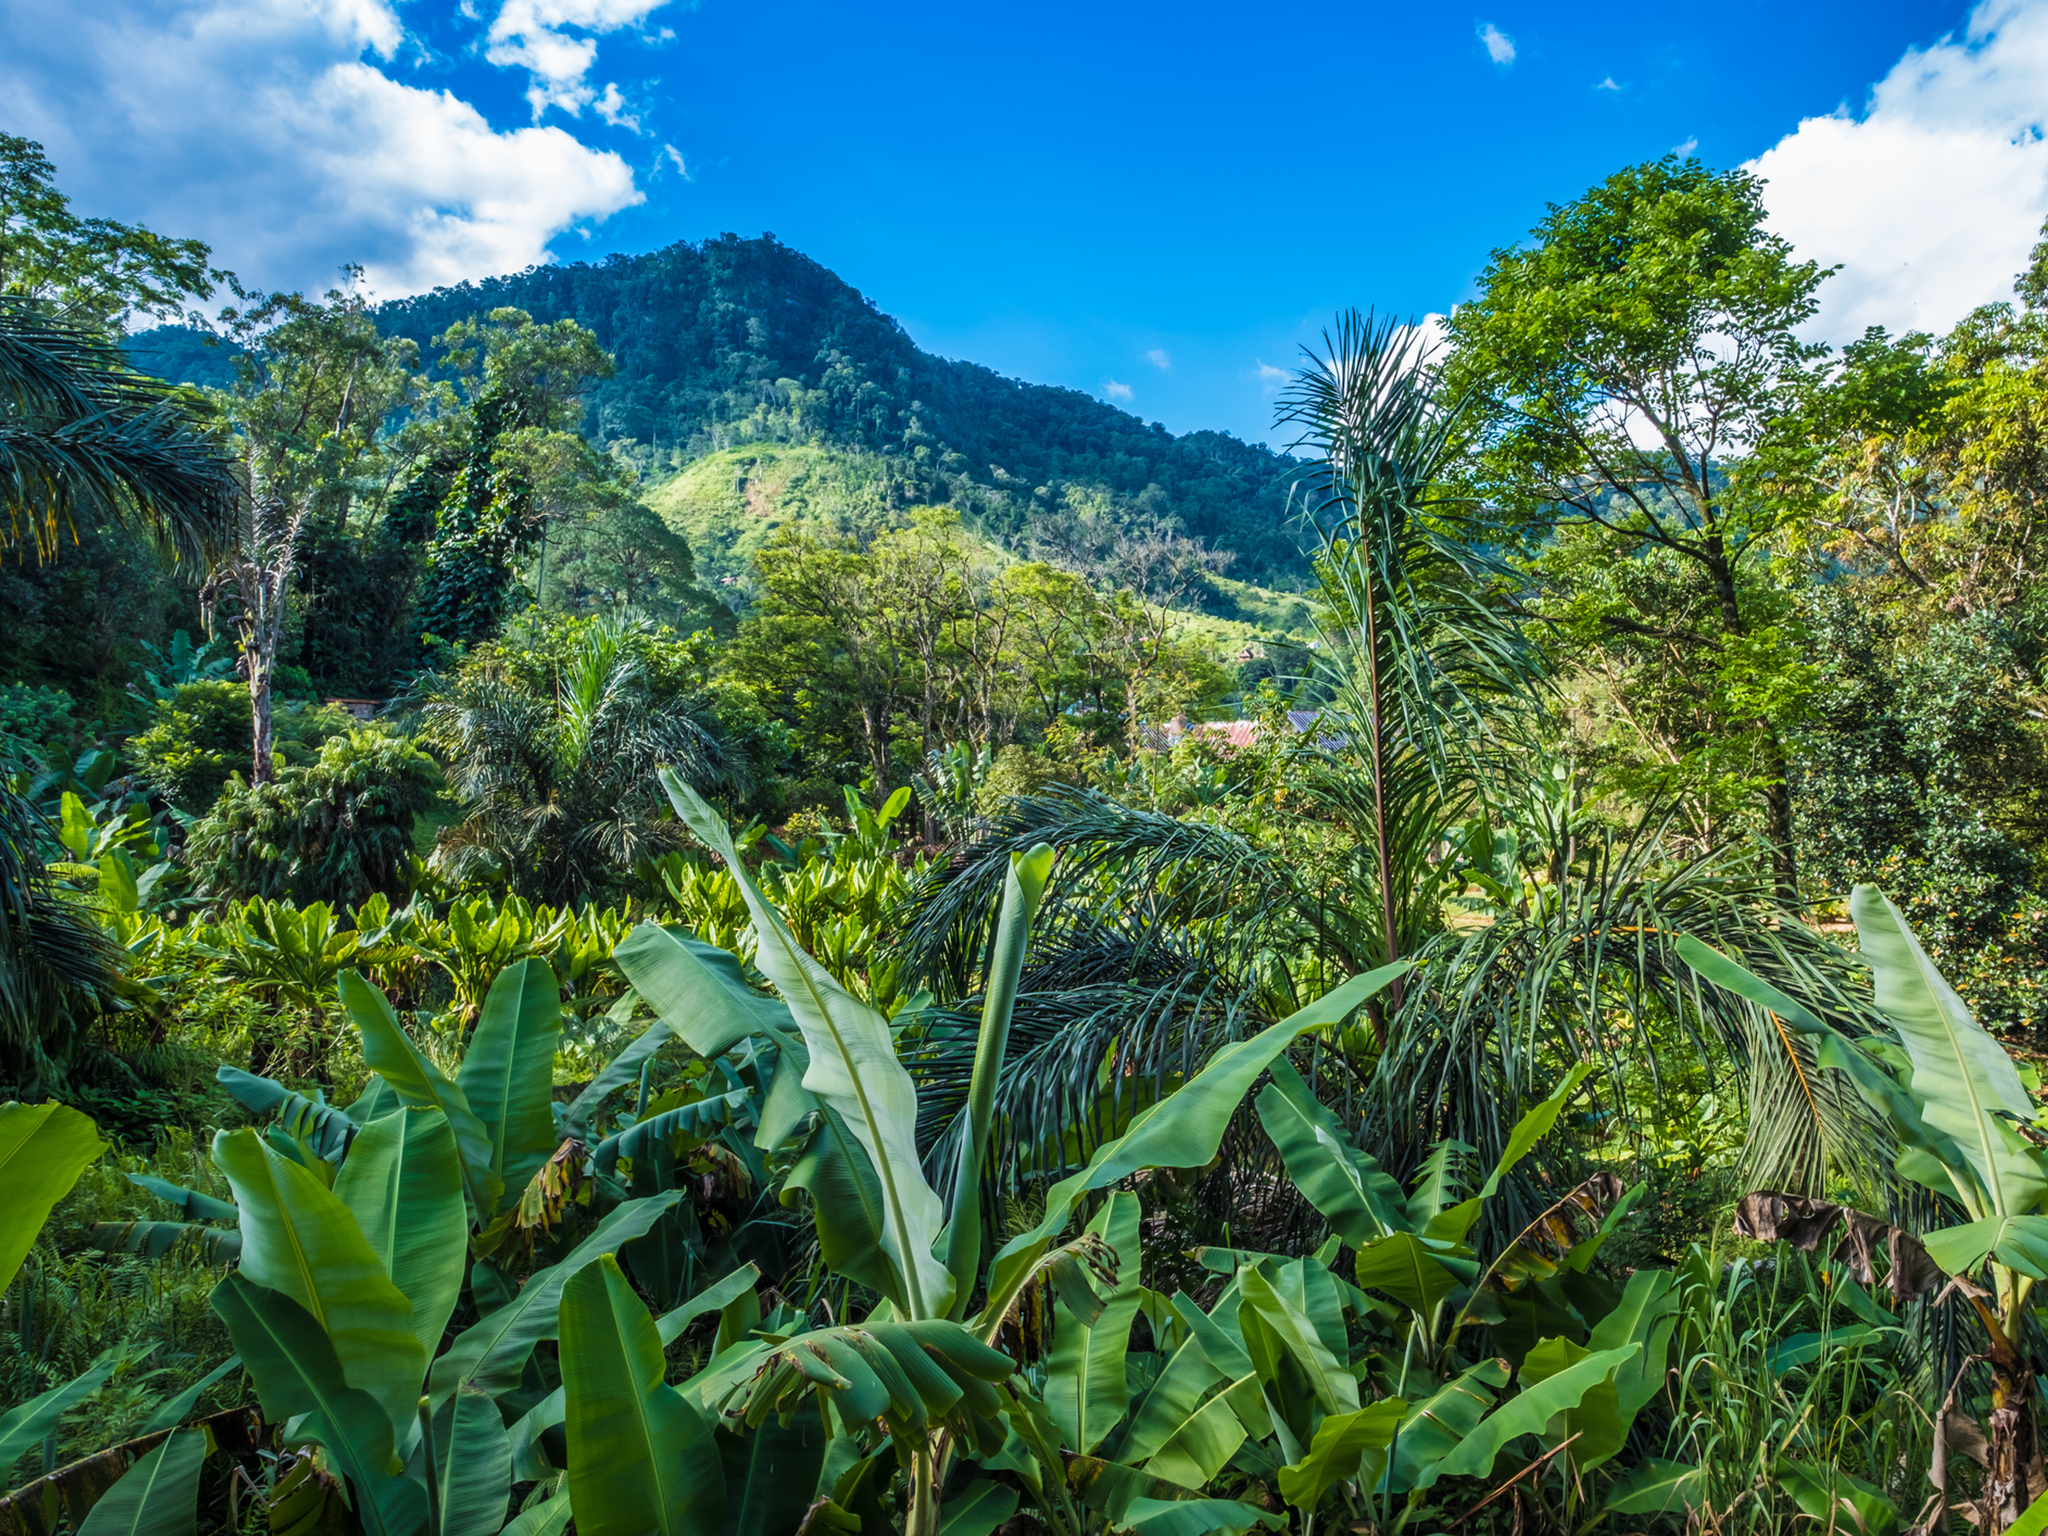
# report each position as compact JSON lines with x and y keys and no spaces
{"x":1159,"y":940}
{"x":559,"y":780}
{"x":83,"y":435}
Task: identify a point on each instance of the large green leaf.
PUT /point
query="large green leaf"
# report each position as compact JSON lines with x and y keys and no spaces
{"x":324,"y":1128}
{"x":1359,"y":1201}
{"x":853,"y":1069}
{"x":1594,"y":1424}
{"x":43,"y":1150}
{"x":528,"y":1464}
{"x":1279,"y":1325}
{"x":1528,"y":1412}
{"x":1023,"y":885}
{"x":848,"y":1205}
{"x":549,"y":1519}
{"x":1647,"y":1314}
{"x":24,"y":1426}
{"x":1407,"y":1269}
{"x":196,"y":1207}
{"x":1085,"y":1389}
{"x":1659,"y":1488}
{"x":390,"y":1053}
{"x":1456,"y":1222}
{"x":296,"y":1372}
{"x":1203,"y":1442}
{"x":1194,"y":1517}
{"x":1182,"y":1388}
{"x":910,"y":1374}
{"x":1964,"y":1079}
{"x":642,"y":1457}
{"x":508,"y":1072}
{"x":1182,"y":1130}
{"x":2018,"y":1242}
{"x":472,"y":1466}
{"x":403,"y":1184}
{"x":771,"y":1475}
{"x":1438,"y":1424}
{"x":699,"y":989}
{"x":491,"y":1354}
{"x":300,"y":1240}
{"x":977,"y":1510}
{"x":1347,"y":1447}
{"x":158,"y":1496}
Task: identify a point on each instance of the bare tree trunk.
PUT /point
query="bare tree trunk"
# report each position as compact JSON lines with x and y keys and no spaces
{"x":252,"y":584}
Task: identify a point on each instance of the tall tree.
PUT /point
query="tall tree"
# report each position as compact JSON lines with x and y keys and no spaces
{"x":1622,"y":364}
{"x":315,"y":388}
{"x":93,"y":273}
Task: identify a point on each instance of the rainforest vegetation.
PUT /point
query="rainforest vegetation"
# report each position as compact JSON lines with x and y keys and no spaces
{"x":628,"y":905}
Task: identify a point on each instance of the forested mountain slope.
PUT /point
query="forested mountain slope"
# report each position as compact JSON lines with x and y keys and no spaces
{"x":734,"y":341}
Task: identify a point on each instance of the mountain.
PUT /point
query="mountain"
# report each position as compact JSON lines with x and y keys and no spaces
{"x":732,"y":342}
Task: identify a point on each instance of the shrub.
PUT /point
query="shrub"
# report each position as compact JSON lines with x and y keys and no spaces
{"x":38,"y":723}
{"x":200,"y":737}
{"x":339,"y":829}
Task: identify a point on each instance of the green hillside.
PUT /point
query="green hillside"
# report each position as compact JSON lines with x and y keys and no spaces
{"x":733,"y":343}
{"x":728,"y":504}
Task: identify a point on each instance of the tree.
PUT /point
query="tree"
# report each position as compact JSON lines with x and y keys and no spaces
{"x":315,"y":387}
{"x":1426,"y":673}
{"x":552,"y":746}
{"x":521,"y":385}
{"x":1621,"y":366}
{"x":92,"y":273}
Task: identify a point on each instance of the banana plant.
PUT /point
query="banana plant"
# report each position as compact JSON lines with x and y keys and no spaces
{"x":1959,"y":1110}
{"x":881,"y":1223}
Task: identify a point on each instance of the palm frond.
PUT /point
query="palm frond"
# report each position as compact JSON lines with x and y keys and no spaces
{"x":83,"y":435}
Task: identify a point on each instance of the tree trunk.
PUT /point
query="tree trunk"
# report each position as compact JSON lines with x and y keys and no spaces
{"x":2014,"y":1475}
{"x":1778,"y":822}
{"x":261,"y":768}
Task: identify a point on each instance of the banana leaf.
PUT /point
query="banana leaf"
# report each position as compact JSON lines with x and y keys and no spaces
{"x":403,"y":1184}
{"x":491,"y":1354}
{"x":420,"y":1084}
{"x":853,"y":1069}
{"x":1085,"y":1387}
{"x":297,"y":1371}
{"x":300,"y":1240}
{"x":508,"y":1071}
{"x":158,"y":1496}
{"x":642,"y":1457}
{"x":23,"y":1427}
{"x":43,"y":1150}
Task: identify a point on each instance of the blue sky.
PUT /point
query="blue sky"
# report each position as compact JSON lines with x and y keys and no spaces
{"x":1154,"y":203}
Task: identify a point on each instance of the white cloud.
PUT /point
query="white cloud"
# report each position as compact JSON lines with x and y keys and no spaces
{"x":675,"y":157}
{"x":1499,"y":46}
{"x":1607,"y":85}
{"x":1116,"y":391}
{"x":1932,"y":197}
{"x":1685,"y":148}
{"x":269,"y":129}
{"x":1158,"y":358}
{"x":531,"y":35}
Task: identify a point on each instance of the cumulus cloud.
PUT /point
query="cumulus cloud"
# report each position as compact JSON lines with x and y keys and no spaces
{"x":1158,"y":358}
{"x":276,"y":131}
{"x":1116,"y":391}
{"x":1931,"y":197}
{"x":1607,"y":85}
{"x":1499,"y":46}
{"x":555,"y":42}
{"x":1686,"y":146}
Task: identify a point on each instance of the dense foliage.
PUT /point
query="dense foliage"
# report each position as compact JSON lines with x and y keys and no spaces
{"x":841,"y":991}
